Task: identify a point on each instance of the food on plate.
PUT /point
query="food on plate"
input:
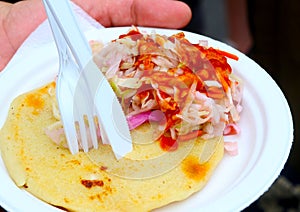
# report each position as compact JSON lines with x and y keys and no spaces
{"x":178,"y":98}
{"x":75,"y":182}
{"x":188,"y":89}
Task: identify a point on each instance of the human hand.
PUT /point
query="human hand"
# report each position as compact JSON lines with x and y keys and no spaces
{"x":18,"y":20}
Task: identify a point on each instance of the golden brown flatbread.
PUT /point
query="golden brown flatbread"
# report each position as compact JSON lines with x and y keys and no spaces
{"x":96,"y":181}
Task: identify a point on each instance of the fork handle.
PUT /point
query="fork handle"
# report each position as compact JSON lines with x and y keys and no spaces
{"x":64,"y":15}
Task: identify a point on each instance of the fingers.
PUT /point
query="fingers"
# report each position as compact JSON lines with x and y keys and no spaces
{"x":22,"y":19}
{"x":161,"y":13}
{"x":17,"y":21}
{"x":155,"y":13}
{"x":4,"y":57}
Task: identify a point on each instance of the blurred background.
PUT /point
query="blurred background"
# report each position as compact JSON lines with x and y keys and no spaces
{"x":268,"y":31}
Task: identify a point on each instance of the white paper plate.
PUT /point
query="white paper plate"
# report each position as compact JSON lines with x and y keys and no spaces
{"x":264,"y":142}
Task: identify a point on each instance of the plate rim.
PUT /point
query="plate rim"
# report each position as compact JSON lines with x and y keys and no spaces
{"x":271,"y":83}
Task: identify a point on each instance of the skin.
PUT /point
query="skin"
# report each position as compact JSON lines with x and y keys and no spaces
{"x":18,"y":20}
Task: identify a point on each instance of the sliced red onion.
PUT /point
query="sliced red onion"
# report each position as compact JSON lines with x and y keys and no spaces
{"x":231,"y":129}
{"x":231,"y":148}
{"x":153,"y":116}
{"x":156,"y":115}
{"x":136,"y":120}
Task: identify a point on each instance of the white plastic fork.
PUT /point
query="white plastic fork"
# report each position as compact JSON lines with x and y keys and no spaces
{"x":80,"y":85}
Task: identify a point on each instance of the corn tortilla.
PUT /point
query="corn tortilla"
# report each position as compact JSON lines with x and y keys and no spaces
{"x":77,"y":183}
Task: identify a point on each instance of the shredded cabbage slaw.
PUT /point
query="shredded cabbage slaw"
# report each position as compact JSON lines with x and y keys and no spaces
{"x":187,"y":89}
{"x":191,"y":84}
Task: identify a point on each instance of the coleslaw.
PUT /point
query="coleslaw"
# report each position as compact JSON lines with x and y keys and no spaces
{"x":187,"y":89}
{"x":183,"y":90}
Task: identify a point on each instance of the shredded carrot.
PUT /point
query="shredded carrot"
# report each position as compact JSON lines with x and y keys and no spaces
{"x":191,"y":135}
{"x":227,"y":54}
